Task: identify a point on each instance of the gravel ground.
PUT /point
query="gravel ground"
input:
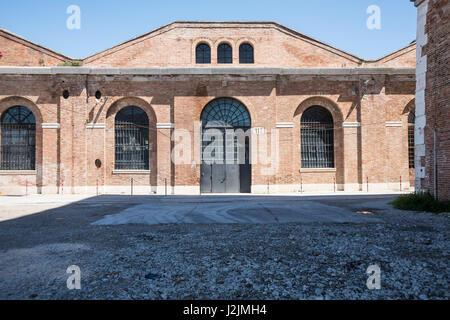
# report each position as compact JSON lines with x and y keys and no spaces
{"x":313,"y":260}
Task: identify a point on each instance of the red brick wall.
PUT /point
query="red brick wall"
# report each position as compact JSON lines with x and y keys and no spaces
{"x":437,"y":97}
{"x":19,"y":52}
{"x":67,"y":155}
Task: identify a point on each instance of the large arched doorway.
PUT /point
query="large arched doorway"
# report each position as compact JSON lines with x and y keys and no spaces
{"x":225,"y":147}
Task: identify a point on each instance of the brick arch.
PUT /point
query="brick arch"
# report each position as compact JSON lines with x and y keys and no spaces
{"x":244,"y":40}
{"x":246,"y":104}
{"x":121,"y":103}
{"x":322,"y":102}
{"x":111,"y":113}
{"x":9,"y":102}
{"x":228,"y":41}
{"x":335,"y":111}
{"x":207,"y":41}
{"x":12,"y":101}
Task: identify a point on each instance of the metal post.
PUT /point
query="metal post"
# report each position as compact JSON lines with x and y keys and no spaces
{"x":301,"y":184}
{"x":26,"y":187}
{"x":132,"y":186}
{"x":97,"y":187}
{"x":268,"y":186}
{"x":62,"y":186}
{"x":165,"y":186}
{"x":334,"y":184}
{"x":367,"y":183}
{"x":400,"y":183}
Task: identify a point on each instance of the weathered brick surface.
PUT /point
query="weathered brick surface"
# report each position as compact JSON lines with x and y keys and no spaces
{"x":16,"y":51}
{"x":66,"y":156}
{"x":437,"y":97}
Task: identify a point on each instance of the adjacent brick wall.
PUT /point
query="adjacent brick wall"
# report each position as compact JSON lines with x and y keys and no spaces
{"x":17,"y":51}
{"x":436,"y":92}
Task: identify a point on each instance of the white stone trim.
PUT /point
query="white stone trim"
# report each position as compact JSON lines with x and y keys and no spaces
{"x":393,"y":124}
{"x":240,"y":70}
{"x":351,"y":124}
{"x":51,"y":126}
{"x":165,"y":125}
{"x":95,"y":126}
{"x":18,"y":172}
{"x":145,"y":172}
{"x":285,"y":125}
{"x":308,"y":170}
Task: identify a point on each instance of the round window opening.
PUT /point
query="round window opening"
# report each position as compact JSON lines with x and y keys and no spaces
{"x":98,"y":163}
{"x":98,"y":95}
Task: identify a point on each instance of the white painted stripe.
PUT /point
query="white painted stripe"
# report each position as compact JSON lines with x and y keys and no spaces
{"x":393,"y":124}
{"x":51,"y":126}
{"x":95,"y":126}
{"x":165,"y":126}
{"x":351,"y":124}
{"x":285,"y":125}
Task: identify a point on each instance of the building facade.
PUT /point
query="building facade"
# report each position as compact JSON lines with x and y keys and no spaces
{"x":143,"y":115}
{"x":432,"y":96}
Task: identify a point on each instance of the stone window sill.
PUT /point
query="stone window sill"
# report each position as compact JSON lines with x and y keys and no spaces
{"x":317,"y":170}
{"x":142,"y":172}
{"x":18,"y":172}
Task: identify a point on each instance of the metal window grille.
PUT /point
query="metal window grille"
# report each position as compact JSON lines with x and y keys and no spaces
{"x":18,"y":139}
{"x":246,"y":54}
{"x":132,"y":140}
{"x":411,"y":122}
{"x":224,"y":53}
{"x":203,"y":53}
{"x":317,"y":138}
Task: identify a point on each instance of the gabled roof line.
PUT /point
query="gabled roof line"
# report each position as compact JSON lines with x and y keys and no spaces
{"x":412,"y":44}
{"x":311,"y":40}
{"x":31,"y":44}
{"x":281,"y":27}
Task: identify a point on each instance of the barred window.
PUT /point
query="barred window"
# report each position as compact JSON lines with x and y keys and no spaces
{"x":18,"y":139}
{"x":317,"y":138}
{"x":132,"y":139}
{"x":203,"y":54}
{"x":224,"y":53}
{"x":411,"y":123}
{"x":246,"y":54}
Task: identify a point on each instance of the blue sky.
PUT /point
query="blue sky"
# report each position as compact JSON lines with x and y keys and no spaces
{"x":105,"y":23}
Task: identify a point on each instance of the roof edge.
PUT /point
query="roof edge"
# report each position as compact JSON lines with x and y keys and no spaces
{"x":34,"y":44}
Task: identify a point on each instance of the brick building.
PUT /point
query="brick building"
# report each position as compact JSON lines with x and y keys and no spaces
{"x":315,"y":118}
{"x":433,"y":95}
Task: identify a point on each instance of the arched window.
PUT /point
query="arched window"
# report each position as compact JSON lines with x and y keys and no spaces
{"x":317,"y":138}
{"x":131,"y":139}
{"x":225,"y":113}
{"x":203,"y":54}
{"x":224,"y":53}
{"x":246,"y":54}
{"x":411,"y":123}
{"x":18,"y":139}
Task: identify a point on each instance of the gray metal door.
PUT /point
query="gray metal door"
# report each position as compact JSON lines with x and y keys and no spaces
{"x":222,"y":172}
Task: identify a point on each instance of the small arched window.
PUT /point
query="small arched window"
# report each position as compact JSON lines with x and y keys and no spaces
{"x":224,"y":53}
{"x":131,"y":139}
{"x":203,"y":54}
{"x":246,"y":54}
{"x":317,"y":138}
{"x":18,"y":139}
{"x":411,"y":123}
